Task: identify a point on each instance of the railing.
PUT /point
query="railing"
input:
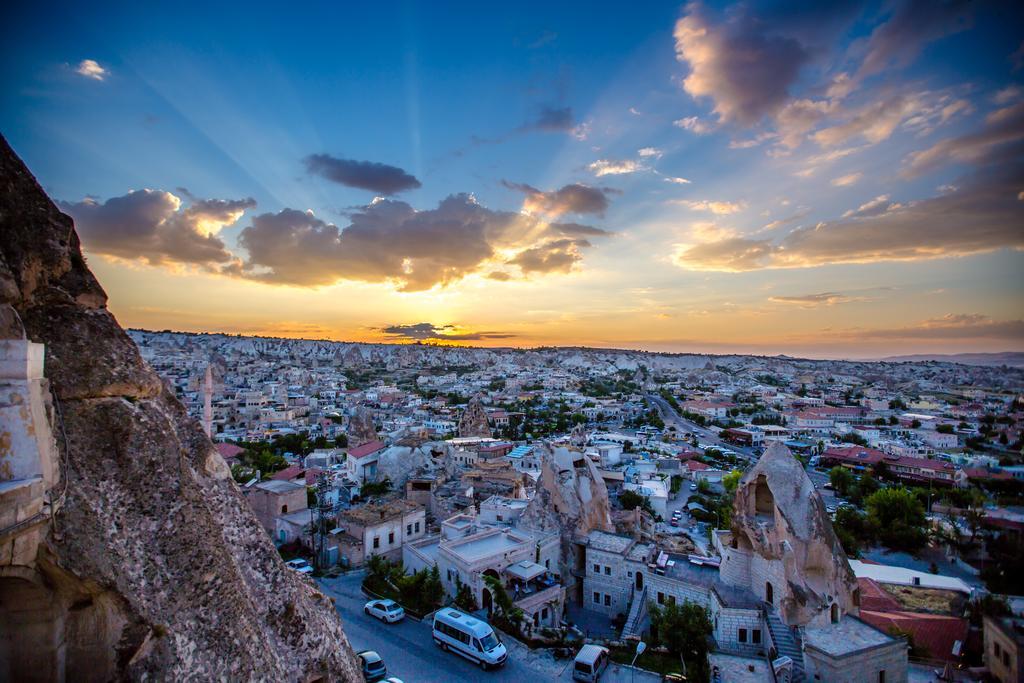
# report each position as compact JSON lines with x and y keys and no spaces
{"x":637,"y":610}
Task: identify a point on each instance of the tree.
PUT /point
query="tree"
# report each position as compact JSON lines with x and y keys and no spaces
{"x":731,"y":481}
{"x":703,"y":486}
{"x":897,"y":519}
{"x":944,"y":429}
{"x":683,"y":629}
{"x":464,"y":599}
{"x":630,"y":500}
{"x":852,"y":530}
{"x":841,"y":480}
{"x":433,"y":589}
{"x":866,"y":486}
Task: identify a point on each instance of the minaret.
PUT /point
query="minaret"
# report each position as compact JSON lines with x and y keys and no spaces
{"x":208,"y":402}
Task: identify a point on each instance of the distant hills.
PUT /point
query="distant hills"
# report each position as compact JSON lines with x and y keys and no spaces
{"x":1014,"y":359}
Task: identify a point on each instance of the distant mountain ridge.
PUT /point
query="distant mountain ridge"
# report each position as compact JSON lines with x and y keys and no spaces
{"x":1013,"y":359}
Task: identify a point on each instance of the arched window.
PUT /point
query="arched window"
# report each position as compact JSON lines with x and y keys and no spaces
{"x":769,"y":593}
{"x":835,"y":613}
{"x":284,"y":509}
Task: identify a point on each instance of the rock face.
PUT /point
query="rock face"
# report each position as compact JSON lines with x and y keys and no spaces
{"x":474,"y":420}
{"x":781,"y":530}
{"x":571,"y":498}
{"x":361,"y":428}
{"x":151,"y":564}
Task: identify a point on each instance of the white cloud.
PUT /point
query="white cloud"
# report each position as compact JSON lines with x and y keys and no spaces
{"x":650,"y":152}
{"x":603,"y":167}
{"x":717,"y":208}
{"x":90,"y":68}
{"x":694,"y":125}
{"x":847,"y":180}
{"x":677,"y":181}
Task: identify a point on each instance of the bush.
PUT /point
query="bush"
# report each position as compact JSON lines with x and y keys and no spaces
{"x":897,"y":519}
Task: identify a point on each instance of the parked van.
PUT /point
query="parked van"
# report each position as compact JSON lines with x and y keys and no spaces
{"x":590,"y":663}
{"x":468,"y":636}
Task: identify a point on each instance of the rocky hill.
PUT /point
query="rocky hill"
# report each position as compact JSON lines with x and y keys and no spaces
{"x":145,"y":562}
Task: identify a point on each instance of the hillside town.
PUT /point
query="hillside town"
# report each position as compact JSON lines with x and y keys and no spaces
{"x":746,"y":518}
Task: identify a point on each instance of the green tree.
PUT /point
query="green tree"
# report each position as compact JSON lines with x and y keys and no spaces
{"x":897,"y":519}
{"x":464,"y":599}
{"x":731,"y":481}
{"x":683,"y":629}
{"x":866,"y":485}
{"x":841,"y":480}
{"x":852,"y":530}
{"x":433,"y":589}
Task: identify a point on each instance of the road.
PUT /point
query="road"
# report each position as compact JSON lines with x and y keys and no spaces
{"x":704,"y":435}
{"x":410,"y":654}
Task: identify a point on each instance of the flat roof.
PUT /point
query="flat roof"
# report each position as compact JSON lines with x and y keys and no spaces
{"x":477,"y":546}
{"x":848,"y":636}
{"x":279,"y":486}
{"x":612,"y":543}
{"x":884,"y":573}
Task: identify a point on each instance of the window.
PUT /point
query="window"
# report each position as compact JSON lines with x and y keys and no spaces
{"x":391,"y":537}
{"x":755,"y":636}
{"x":376,"y":541}
{"x":449,"y":578}
{"x":661,"y":598}
{"x":996,"y":650}
{"x":417,"y":527}
{"x":408,"y":529}
{"x":284,"y":509}
{"x":597,"y":569}
{"x":607,"y":570}
{"x":607,"y":600}
{"x":544,"y":613}
{"x":1006,"y":658}
{"x":881,"y":676}
{"x":743,"y":635}
{"x":500,"y":518}
{"x":597,"y":598}
{"x":671,"y":599}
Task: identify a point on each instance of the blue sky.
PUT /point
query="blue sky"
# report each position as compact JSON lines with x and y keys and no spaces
{"x":749,"y":177}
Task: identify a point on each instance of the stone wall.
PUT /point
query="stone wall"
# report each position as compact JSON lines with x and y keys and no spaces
{"x":862,"y":667}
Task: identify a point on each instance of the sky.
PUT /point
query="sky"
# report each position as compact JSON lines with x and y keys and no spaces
{"x":840,"y":179}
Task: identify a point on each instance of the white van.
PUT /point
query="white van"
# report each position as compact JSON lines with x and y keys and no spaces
{"x":468,"y":636}
{"x":590,"y":663}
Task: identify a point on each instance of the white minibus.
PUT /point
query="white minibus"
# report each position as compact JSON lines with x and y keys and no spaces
{"x":590,"y":663}
{"x":468,"y":636}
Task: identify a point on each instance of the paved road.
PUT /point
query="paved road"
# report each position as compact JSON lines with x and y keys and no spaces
{"x":704,"y":435}
{"x":410,"y":653}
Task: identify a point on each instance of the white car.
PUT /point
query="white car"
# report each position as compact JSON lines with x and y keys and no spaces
{"x":299,"y":565}
{"x":387,"y":611}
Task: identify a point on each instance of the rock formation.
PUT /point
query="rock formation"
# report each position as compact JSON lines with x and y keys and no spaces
{"x":399,"y":462}
{"x":474,"y":420}
{"x":361,"y":428}
{"x":780,"y":525}
{"x":146,"y":561}
{"x":571,"y":498}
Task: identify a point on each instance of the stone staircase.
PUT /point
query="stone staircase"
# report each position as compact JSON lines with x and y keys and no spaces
{"x":637,"y":617}
{"x":787,"y":643}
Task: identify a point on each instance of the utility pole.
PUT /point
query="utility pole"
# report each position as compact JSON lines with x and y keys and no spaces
{"x":322,"y":513}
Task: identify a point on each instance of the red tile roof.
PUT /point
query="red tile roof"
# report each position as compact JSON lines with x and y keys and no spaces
{"x":365,"y":449}
{"x":289,"y":473}
{"x":875,"y":598}
{"x":936,"y":633}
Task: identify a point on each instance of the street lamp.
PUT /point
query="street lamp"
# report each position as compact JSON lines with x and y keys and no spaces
{"x":640,"y":647}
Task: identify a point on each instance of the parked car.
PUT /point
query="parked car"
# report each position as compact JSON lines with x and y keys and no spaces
{"x":590,"y":663}
{"x":693,"y":487}
{"x":299,"y":565}
{"x":372,"y":665}
{"x":386,"y":610}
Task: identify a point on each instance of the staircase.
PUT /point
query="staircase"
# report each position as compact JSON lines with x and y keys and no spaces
{"x":787,"y":642}
{"x":635,"y":622}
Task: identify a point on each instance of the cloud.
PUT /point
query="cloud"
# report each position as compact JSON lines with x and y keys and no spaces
{"x":915,"y":23}
{"x":847,"y":180}
{"x":364,"y":175}
{"x":558,"y":256}
{"x":646,"y":152}
{"x":424,"y":331}
{"x":815,"y":300}
{"x":743,"y":69}
{"x":950,"y":326}
{"x":874,"y":123}
{"x":152,"y":225}
{"x":576,"y":230}
{"x":694,"y":125}
{"x":603,"y":167}
{"x":876,"y":207}
{"x":573,"y":198}
{"x":90,"y":68}
{"x":1001,"y":127}
{"x":718,"y":208}
{"x":676,"y":180}
{"x":389,"y":241}
{"x":983,"y":215}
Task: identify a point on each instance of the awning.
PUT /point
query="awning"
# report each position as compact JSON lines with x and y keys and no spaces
{"x":525,"y":570}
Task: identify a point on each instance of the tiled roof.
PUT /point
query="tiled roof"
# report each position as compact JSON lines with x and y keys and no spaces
{"x":365,"y":449}
{"x":936,"y":633}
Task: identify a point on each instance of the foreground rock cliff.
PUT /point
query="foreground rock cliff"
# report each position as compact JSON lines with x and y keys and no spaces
{"x":126,"y":550}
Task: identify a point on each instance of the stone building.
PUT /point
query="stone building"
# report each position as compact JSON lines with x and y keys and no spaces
{"x":379,"y":529}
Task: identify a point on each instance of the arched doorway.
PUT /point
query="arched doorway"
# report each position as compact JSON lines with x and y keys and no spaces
{"x":769,"y":593}
{"x":835,"y":613}
{"x":639,"y":581}
{"x":488,"y":602}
